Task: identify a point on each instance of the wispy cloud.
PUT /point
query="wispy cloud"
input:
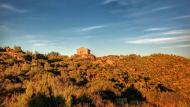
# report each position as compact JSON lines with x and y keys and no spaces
{"x":109,"y":1}
{"x":177,"y":46}
{"x":140,"y":13}
{"x":39,"y":44}
{"x":4,"y":28}
{"x":160,"y":40}
{"x":156,"y":29}
{"x":39,"y":41}
{"x":121,"y":2}
{"x":182,"y":17}
{"x":8,"y":7}
{"x":175,"y":32}
{"x":165,"y":33}
{"x":162,"y":8}
{"x":91,"y":28}
{"x":27,"y":37}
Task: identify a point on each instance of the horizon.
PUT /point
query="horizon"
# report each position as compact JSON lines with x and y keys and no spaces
{"x":106,"y":27}
{"x":92,"y":52}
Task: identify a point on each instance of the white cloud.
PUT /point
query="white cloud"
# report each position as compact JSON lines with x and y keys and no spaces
{"x":150,"y":11}
{"x":165,"y":33}
{"x":39,"y":44}
{"x":175,"y":32}
{"x":91,"y":28}
{"x":122,"y":2}
{"x":160,"y":40}
{"x":161,"y":8}
{"x":39,"y":41}
{"x":9,"y":7}
{"x":156,"y":29}
{"x":177,"y":46}
{"x":109,"y":1}
{"x":182,"y":17}
{"x":119,"y":2}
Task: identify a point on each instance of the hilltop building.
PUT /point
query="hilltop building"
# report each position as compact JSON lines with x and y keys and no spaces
{"x":83,"y":51}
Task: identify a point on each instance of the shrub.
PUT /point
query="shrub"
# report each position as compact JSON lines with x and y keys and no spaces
{"x":41,"y":100}
{"x":17,"y":49}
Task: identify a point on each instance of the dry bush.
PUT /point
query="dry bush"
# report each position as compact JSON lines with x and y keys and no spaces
{"x":157,"y":80}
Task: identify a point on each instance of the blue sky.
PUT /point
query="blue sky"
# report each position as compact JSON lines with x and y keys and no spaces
{"x":105,"y":26}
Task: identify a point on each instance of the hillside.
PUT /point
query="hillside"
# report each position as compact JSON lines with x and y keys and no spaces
{"x":52,"y":80}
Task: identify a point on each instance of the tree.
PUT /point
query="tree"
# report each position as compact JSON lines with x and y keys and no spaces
{"x":37,"y":55}
{"x":18,"y":49}
{"x":54,"y":56}
{"x":2,"y":49}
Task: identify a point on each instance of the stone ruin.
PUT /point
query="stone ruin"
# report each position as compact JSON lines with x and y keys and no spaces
{"x":85,"y":53}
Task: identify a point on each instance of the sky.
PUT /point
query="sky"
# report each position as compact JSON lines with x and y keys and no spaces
{"x":107,"y":27}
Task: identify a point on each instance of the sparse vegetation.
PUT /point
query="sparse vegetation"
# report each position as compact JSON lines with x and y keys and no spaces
{"x":36,"y":80}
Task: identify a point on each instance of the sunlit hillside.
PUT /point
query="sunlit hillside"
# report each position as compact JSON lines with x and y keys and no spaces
{"x":52,"y":80}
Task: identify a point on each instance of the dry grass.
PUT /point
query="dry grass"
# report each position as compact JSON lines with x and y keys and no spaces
{"x":112,"y":81}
